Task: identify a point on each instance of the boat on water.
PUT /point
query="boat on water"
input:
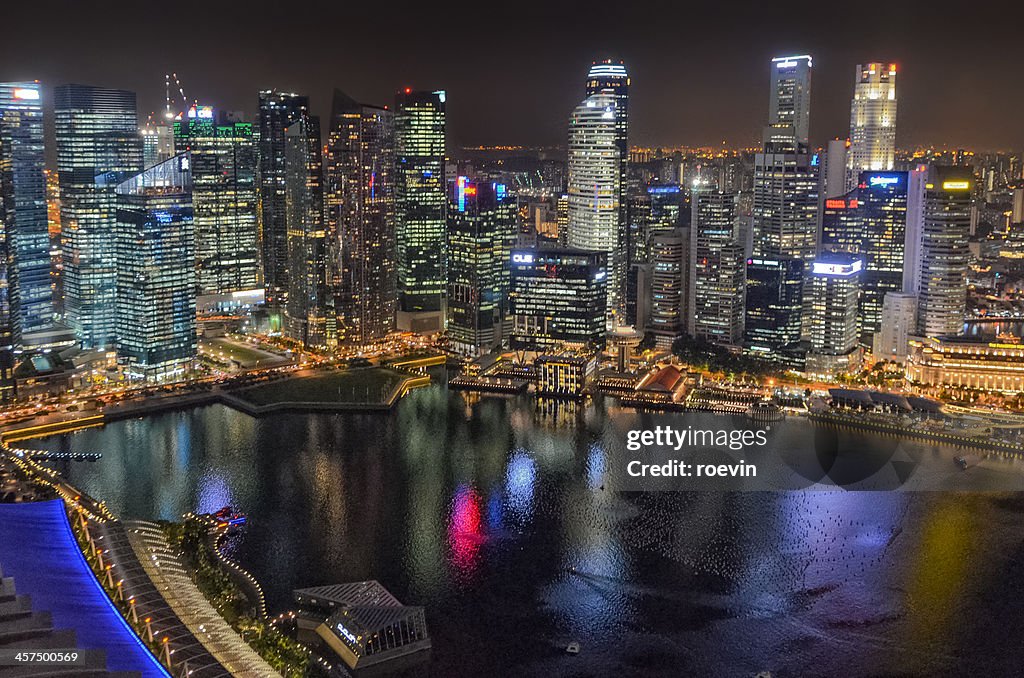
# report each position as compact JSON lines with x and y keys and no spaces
{"x":227,"y":517}
{"x":966,"y":461}
{"x":572,"y":648}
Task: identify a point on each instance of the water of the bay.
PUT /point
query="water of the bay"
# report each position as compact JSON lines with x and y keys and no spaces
{"x":501,"y":518}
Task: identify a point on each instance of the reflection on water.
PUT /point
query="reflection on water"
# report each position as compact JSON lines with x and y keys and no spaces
{"x":992,"y":330}
{"x":501,"y":517}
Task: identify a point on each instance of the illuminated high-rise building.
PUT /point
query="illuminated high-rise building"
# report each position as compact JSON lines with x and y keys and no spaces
{"x":872,"y":121}
{"x":669,"y":260}
{"x":834,"y":290}
{"x":420,"y":202}
{"x":882,"y":215}
{"x":482,"y":223}
{"x":595,"y":222}
{"x":308,"y":313}
{"x":562,"y":219}
{"x":774,"y":305}
{"x":716,"y":287}
{"x":785,"y":209}
{"x":360,"y":219}
{"x":609,"y":76}
{"x":789,"y":115}
{"x":945,"y":224}
{"x":29,"y":309}
{"x":841,"y":227}
{"x":157,"y":142}
{"x":223,"y":157}
{"x":98,"y":147}
{"x":156,"y":273}
{"x":557,"y":298}
{"x":278,"y":110}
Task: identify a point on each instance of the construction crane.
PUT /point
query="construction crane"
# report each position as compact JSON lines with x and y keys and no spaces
{"x":168,"y":113}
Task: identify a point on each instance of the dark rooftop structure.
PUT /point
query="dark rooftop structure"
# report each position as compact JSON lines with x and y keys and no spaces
{"x":361,"y":622}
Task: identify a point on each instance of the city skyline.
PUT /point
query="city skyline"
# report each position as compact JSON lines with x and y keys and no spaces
{"x":699,"y":94}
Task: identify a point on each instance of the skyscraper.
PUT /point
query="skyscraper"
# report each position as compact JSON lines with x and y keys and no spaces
{"x":23,"y":216}
{"x":157,"y":142}
{"x":557,"y":298}
{"x":482,"y":224}
{"x":785,"y":210}
{"x":774,"y":304}
{"x":944,"y":255}
{"x":872,"y":120}
{"x":420,"y":202}
{"x":595,"y":191}
{"x":278,"y":110}
{"x":882,"y":213}
{"x":899,"y":322}
{"x":785,"y":206}
{"x":98,"y":147}
{"x":669,"y":261}
{"x":223,"y":157}
{"x":360,"y":214}
{"x":789,"y":115}
{"x":716,"y":288}
{"x":834,"y":290}
{"x":156,"y":273}
{"x":308,"y":316}
{"x":609,"y":76}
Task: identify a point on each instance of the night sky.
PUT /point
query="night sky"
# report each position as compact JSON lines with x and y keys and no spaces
{"x":700,"y":70}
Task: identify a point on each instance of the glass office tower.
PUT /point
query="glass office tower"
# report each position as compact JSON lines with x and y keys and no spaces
{"x":595,"y":222}
{"x":482,"y":224}
{"x":98,"y":146}
{"x":945,"y":230}
{"x":360,"y":214}
{"x":558,"y":298}
{"x":156,"y":274}
{"x":609,"y":77}
{"x":308,"y":318}
{"x":223,"y":200}
{"x":23,"y":217}
{"x":420,"y":202}
{"x":717,"y":269}
{"x":278,"y":110}
{"x":872,"y":120}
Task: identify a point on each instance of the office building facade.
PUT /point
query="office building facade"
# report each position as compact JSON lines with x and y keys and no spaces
{"x":98,"y":147}
{"x":872,"y":121}
{"x":29,"y":308}
{"x":595,"y":189}
{"x":667,"y":312}
{"x":277,"y":111}
{"x":482,"y":225}
{"x":420,"y":202}
{"x":774,"y":305}
{"x":308,"y":313}
{"x":360,"y":220}
{"x":224,"y":203}
{"x":557,"y":297}
{"x":834,"y":292}
{"x":716,"y":288}
{"x":945,"y":226}
{"x":156,"y":274}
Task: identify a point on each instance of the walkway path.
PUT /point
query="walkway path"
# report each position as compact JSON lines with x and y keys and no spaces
{"x":172,"y":580}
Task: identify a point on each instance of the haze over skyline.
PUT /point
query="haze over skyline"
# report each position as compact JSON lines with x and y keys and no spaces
{"x":699,"y":75}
